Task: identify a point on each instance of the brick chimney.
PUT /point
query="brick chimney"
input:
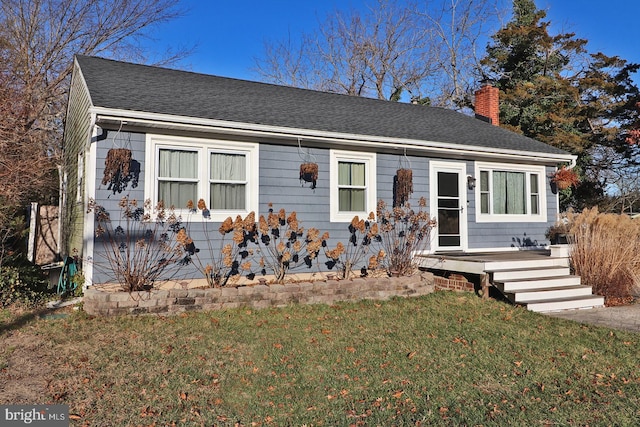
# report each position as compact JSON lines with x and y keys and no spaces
{"x":487,"y":104}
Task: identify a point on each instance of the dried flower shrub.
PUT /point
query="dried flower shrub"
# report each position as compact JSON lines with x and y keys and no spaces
{"x":604,"y":251}
{"x":283,"y":244}
{"x":223,"y":262}
{"x":403,"y":233}
{"x":144,"y":245}
{"x":363,"y":235}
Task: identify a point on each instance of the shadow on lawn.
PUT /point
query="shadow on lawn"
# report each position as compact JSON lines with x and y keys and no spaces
{"x":39,"y":313}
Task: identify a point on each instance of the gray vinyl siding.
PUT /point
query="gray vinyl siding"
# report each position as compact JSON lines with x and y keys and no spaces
{"x":107,"y":198}
{"x":76,"y":136}
{"x":280,"y":186}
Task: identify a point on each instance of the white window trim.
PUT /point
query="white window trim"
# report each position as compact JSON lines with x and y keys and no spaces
{"x":204,"y":147}
{"x":528,"y":169}
{"x":370,"y":176}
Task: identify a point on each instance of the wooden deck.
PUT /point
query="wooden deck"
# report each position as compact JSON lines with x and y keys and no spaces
{"x":480,"y":262}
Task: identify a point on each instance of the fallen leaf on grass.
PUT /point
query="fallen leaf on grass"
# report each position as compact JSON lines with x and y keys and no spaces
{"x":411,"y":355}
{"x":398,"y":394}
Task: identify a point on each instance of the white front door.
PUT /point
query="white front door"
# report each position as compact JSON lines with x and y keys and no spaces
{"x":448,"y":191}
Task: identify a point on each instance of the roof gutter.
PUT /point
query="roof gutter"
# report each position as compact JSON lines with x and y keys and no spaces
{"x":156,"y":120}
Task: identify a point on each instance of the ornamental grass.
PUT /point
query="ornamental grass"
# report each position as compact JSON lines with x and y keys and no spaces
{"x":604,"y":252}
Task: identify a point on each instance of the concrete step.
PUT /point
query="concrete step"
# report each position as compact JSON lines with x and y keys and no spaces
{"x":530,"y":273}
{"x":545,"y":294}
{"x":519,"y":285}
{"x":559,"y":304}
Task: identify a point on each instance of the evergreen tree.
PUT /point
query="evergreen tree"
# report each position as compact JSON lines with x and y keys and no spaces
{"x":552,"y":90}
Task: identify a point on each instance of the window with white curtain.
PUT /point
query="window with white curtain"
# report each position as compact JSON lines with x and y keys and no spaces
{"x":228,"y":181}
{"x":510,"y":193}
{"x":177,"y":177}
{"x":223,"y":173}
{"x":353,"y":184}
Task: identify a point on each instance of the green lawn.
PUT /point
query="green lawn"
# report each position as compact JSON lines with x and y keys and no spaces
{"x":444,"y":359}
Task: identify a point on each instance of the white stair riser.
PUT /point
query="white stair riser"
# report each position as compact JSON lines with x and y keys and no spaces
{"x":530,"y":274}
{"x":523,"y":297}
{"x":524,"y":264}
{"x":566,"y":305}
{"x":516,"y":286}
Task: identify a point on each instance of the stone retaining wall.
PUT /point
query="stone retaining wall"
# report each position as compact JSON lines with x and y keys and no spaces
{"x":105,"y":303}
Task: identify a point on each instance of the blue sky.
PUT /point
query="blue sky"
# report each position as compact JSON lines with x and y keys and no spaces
{"x":229,"y":34}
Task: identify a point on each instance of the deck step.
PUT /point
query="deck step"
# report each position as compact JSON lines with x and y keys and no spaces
{"x":590,"y":301}
{"x":529,"y":273}
{"x":519,"y":285}
{"x":526,"y":264}
{"x":546,"y":294}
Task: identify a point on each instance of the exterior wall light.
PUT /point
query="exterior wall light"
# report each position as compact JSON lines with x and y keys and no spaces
{"x":471,"y":182}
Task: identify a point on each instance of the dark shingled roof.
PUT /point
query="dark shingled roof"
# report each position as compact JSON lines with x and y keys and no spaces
{"x":121,"y":85}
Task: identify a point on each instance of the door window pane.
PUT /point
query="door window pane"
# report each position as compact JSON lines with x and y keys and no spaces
{"x":448,"y":184}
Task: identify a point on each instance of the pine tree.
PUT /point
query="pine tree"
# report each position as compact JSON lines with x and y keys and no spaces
{"x":552,"y":90}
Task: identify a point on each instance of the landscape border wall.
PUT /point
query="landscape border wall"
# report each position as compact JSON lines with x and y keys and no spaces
{"x":158,"y":301}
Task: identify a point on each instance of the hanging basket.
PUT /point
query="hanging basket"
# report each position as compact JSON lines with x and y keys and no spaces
{"x":404,"y":186}
{"x":116,"y":165}
{"x":565,"y":178}
{"x":563,"y":185}
{"x":309,"y":173}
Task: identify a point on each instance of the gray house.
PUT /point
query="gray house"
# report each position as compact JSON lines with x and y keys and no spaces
{"x":239,"y":144}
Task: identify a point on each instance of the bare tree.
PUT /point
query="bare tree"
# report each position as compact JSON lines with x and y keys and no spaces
{"x":460,"y":26}
{"x":392,"y":49}
{"x":38,"y":39}
{"x":381,"y":52}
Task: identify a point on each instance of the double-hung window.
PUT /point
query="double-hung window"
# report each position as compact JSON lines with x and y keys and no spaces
{"x":510,"y":193}
{"x":223,"y":173}
{"x":353,"y":184}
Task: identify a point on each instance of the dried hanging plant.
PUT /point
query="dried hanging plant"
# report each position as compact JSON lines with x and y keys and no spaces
{"x":565,"y":178}
{"x":404,"y":186}
{"x":116,"y":165}
{"x":309,"y":173}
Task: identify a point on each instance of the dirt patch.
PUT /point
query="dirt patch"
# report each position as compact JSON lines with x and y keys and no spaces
{"x":25,"y":357}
